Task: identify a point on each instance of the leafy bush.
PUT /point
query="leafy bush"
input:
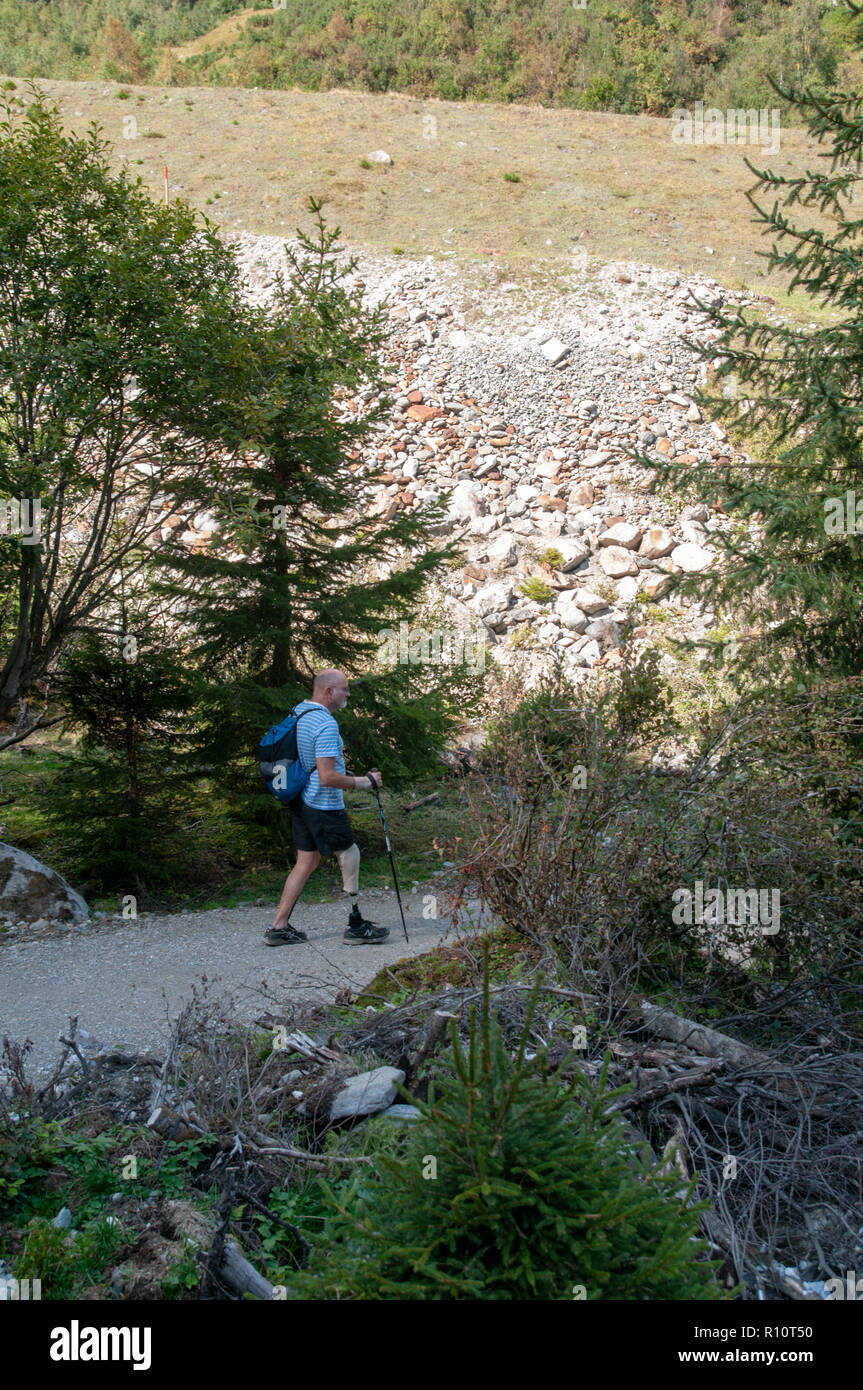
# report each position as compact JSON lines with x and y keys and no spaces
{"x":511,"y":1186}
{"x":603,"y":56}
{"x":590,"y":814}
{"x":67,"y":1262}
{"x":45,"y":1164}
{"x":184,"y":1274}
{"x":522,"y":636}
{"x":537,"y":590}
{"x":28,"y":1148}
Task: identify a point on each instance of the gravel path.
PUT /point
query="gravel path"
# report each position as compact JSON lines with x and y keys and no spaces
{"x":124,"y":980}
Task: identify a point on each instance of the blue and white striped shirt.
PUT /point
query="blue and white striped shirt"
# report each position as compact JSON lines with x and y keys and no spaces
{"x":318,"y":737}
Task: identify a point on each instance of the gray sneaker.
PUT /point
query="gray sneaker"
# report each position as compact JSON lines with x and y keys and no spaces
{"x":284,"y":936}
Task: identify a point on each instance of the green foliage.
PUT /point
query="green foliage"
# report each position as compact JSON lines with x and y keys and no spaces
{"x":522,"y":636}
{"x":552,"y":556}
{"x":296,"y":1216}
{"x":630,"y":709}
{"x":184,"y":1274}
{"x":305,"y":598}
{"x":124,"y":322}
{"x":512,"y":1186}
{"x":641,"y":702}
{"x":601,"y":57}
{"x":114,"y":798}
{"x":69,"y":40}
{"x":28,"y":1149}
{"x":177,"y":1164}
{"x":46,"y":1164}
{"x":513,"y":178}
{"x":793,"y":563}
{"x":67,"y":1262}
{"x":537,"y":590}
{"x":609,"y":812}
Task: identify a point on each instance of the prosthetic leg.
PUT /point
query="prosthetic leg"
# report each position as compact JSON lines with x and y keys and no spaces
{"x":358,"y":929}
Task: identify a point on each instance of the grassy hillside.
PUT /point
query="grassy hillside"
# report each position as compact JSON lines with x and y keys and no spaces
{"x":632,"y":56}
{"x":614,"y":186}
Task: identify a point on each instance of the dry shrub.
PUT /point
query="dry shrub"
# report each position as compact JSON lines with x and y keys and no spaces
{"x":586,"y":817}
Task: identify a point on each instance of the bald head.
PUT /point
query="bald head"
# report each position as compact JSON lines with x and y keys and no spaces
{"x":330,"y":689}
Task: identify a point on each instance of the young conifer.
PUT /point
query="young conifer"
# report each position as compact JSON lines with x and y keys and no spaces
{"x":513,"y":1185}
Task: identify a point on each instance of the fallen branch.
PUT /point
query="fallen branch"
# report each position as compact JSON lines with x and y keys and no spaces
{"x":697,"y":1076}
{"x":226,"y":1266}
{"x":18,"y":736}
{"x":131,"y":1059}
{"x":307,"y":1047}
{"x":241,"y":1276}
{"x":57,"y":1073}
{"x":792,"y":1288}
{"x":73,"y":1046}
{"x":421,"y":801}
{"x":313,"y":1158}
{"x":707,"y":1042}
{"x":260,"y":1143}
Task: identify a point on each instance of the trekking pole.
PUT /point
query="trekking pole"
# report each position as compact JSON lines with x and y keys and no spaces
{"x":390,"y":853}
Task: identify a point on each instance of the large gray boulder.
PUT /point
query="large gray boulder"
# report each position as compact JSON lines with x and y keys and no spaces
{"x":30,"y":890}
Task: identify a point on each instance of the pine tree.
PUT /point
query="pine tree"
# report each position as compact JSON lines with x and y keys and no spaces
{"x":298,"y":576}
{"x":120,"y":796}
{"x":790,"y":563}
{"x":513,"y":1185}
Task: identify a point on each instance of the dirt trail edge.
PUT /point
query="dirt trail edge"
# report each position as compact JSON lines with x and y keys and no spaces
{"x":125,"y":980}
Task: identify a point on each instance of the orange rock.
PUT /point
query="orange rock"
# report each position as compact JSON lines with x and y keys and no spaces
{"x":424,"y":412}
{"x":582,"y":495}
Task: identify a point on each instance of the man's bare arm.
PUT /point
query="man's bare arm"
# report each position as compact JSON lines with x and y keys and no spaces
{"x":343,"y":781}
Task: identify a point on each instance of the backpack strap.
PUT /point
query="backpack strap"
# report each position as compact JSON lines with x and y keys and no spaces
{"x":299,"y":717}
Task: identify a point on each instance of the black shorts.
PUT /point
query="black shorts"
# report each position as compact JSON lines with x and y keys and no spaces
{"x":324,"y":831}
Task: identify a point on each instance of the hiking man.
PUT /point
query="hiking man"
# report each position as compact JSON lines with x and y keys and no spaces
{"x":319,"y":820}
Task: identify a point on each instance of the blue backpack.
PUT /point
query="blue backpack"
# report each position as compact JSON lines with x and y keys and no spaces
{"x":279,"y":764}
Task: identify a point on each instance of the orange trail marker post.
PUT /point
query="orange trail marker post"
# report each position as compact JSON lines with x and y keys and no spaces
{"x":166,"y":185}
